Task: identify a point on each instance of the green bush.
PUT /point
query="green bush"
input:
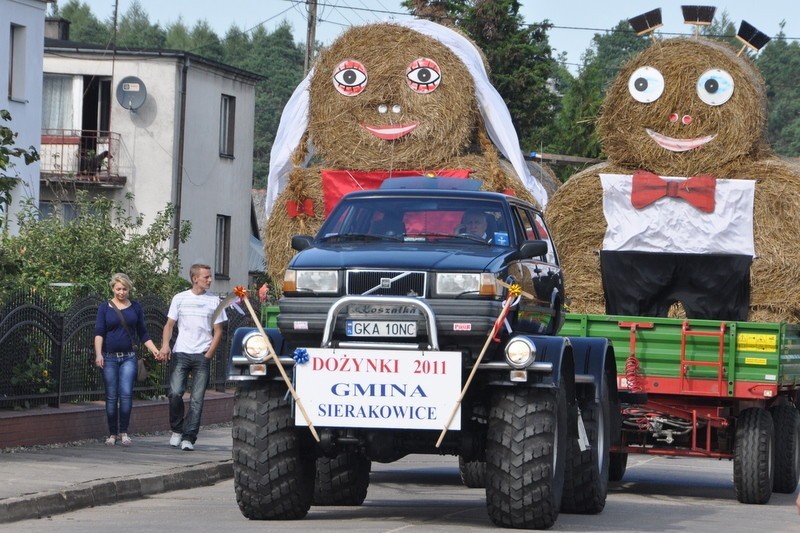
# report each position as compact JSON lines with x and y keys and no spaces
{"x":64,"y":260}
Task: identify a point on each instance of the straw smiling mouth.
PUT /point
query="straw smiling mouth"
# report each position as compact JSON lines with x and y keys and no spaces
{"x":678,"y":145}
{"x":390,"y":133}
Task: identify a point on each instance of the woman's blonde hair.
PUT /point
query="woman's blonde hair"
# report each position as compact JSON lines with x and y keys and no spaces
{"x":119,"y":277}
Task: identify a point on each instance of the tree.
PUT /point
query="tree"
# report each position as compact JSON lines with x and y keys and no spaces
{"x":84,"y":26}
{"x":205,"y":42}
{"x":276,"y":57}
{"x":582,"y":98}
{"x":518,"y":57}
{"x":86,"y":250}
{"x":722,"y":29}
{"x":135,"y":31}
{"x":521,"y":65}
{"x":177,"y":37}
{"x":8,"y":154}
{"x":779,"y":63}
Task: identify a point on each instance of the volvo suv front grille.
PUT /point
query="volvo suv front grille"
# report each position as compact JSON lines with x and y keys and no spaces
{"x":386,"y":283}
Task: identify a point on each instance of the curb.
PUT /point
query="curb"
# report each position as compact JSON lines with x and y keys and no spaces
{"x":109,"y":491}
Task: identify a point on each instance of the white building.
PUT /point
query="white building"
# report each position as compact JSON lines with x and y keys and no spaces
{"x":22,"y":30}
{"x":166,"y":126}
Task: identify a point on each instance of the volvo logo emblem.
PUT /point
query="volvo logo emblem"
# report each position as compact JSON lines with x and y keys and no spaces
{"x":386,"y":283}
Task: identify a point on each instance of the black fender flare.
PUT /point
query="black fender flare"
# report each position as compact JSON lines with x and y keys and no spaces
{"x":594,"y":356}
{"x":595,"y":368}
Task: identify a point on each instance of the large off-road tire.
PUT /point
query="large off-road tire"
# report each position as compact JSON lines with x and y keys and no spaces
{"x":273,"y":461}
{"x":525,"y":451}
{"x":617,"y":464}
{"x":586,"y":472}
{"x":753,"y":456}
{"x":787,"y":448}
{"x":473,"y":473}
{"x":342,"y":480}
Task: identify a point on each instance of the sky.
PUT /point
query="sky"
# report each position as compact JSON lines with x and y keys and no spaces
{"x":575,"y":21}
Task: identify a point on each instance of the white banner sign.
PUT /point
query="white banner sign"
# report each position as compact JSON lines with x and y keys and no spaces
{"x":392,"y":389}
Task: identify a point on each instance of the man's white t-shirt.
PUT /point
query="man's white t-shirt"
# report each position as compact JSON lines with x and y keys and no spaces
{"x":192,"y":314}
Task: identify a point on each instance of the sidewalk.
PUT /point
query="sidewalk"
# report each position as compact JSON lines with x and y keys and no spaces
{"x":41,"y":481}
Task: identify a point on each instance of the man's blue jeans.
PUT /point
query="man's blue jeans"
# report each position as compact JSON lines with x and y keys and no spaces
{"x":119,"y":374}
{"x":199,"y":367}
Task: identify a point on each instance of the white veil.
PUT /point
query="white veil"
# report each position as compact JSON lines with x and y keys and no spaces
{"x":294,"y":119}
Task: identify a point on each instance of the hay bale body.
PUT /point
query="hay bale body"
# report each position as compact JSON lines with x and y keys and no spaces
{"x":737,"y":151}
{"x":449,"y":132}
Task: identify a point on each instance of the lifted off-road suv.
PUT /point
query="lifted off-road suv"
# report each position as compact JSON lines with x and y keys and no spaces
{"x":389,"y":326}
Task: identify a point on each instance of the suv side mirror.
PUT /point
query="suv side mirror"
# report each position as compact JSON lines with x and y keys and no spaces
{"x":301,"y":242}
{"x":530,"y":249}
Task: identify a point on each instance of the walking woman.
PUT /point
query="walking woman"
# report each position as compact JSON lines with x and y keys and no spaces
{"x":118,"y":321}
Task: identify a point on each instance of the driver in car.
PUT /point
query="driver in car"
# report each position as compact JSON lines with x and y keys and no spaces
{"x":474,"y":223}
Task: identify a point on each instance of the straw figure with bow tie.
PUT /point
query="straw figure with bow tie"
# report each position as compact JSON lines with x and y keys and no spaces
{"x":692,"y":213}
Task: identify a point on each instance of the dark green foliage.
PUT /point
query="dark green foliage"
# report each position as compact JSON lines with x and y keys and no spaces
{"x":9,"y":156}
{"x":583,"y":96}
{"x":779,"y":63}
{"x":520,"y":63}
{"x":135,"y":31}
{"x":84,"y":26}
{"x":276,"y":57}
{"x":205,"y":42}
{"x":85,"y":252}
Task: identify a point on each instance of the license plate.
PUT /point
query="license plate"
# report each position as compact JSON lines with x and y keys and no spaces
{"x":375,"y":328}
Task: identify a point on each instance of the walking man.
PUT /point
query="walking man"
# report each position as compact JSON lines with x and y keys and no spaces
{"x":198,"y":338}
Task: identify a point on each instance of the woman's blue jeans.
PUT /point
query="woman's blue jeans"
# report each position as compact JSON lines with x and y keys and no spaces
{"x":119,"y":374}
{"x":199,"y":367}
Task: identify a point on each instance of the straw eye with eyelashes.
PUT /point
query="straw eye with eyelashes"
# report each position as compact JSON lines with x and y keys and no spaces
{"x":350,"y":77}
{"x":715,"y":87}
{"x":423,"y":75}
{"x":646,"y":84}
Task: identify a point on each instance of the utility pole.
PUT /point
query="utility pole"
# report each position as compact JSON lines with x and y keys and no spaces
{"x":310,"y":34}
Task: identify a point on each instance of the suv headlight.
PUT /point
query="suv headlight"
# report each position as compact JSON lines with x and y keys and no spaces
{"x":315,"y":281}
{"x":456,"y":283}
{"x":255,"y":347}
{"x":520,"y":352}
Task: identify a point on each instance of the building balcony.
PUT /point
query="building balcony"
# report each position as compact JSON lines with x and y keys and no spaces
{"x":81,"y":157}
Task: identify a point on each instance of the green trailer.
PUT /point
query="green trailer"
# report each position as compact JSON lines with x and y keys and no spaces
{"x":706,"y":388}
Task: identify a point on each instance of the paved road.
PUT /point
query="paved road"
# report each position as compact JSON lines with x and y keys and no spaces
{"x":423,"y":493}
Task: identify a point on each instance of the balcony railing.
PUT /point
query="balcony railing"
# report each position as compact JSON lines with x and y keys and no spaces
{"x":81,"y":156}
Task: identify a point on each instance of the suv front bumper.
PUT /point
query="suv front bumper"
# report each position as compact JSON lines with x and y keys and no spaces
{"x":459,"y":322}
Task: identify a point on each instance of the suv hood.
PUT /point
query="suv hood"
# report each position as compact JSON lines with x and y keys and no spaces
{"x":403,"y":256}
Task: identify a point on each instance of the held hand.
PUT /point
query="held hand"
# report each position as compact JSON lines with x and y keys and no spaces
{"x":163,"y":353}
{"x":98,"y":361}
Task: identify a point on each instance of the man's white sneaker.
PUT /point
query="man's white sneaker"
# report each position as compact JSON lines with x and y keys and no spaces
{"x":187,"y":446}
{"x":175,"y":439}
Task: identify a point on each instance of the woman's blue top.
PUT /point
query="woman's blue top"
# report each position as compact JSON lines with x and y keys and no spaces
{"x":109,"y":326}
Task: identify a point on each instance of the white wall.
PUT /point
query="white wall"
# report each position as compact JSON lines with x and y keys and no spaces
{"x":212,"y":184}
{"x":149,"y":157}
{"x":25,"y":109}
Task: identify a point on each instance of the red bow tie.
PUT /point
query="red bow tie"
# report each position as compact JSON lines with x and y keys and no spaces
{"x":698,"y":191}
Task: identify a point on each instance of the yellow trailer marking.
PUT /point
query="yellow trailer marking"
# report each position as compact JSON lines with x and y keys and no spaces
{"x":754,"y":342}
{"x":755,"y":361}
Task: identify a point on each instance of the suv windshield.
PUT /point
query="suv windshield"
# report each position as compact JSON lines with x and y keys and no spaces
{"x":415,"y":219}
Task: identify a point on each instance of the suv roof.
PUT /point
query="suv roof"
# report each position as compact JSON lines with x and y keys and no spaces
{"x":440,"y":193}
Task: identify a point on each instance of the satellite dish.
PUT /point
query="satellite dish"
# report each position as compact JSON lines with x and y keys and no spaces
{"x":131,"y":93}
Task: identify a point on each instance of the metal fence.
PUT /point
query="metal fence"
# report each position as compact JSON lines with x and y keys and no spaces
{"x":47,"y":356}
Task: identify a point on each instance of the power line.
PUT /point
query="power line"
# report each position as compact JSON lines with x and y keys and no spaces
{"x":576,"y":28}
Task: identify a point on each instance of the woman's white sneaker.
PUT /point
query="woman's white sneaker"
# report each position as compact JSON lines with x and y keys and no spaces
{"x":187,"y":446}
{"x":175,"y":439}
